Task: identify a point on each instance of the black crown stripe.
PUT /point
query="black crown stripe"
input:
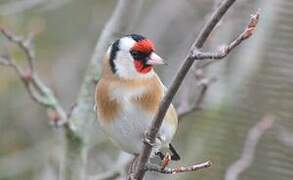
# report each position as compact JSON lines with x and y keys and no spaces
{"x":137,"y":37}
{"x":113,"y":54}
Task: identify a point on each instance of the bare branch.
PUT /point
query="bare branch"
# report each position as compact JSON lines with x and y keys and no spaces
{"x":158,"y":119}
{"x":223,"y":52}
{"x":5,"y":59}
{"x":195,"y":167}
{"x":253,"y":137}
{"x":121,"y":19}
{"x":38,"y":91}
{"x":26,"y":45}
{"x":226,"y":49}
{"x":165,"y":103}
{"x":82,"y":116}
{"x":204,"y":84}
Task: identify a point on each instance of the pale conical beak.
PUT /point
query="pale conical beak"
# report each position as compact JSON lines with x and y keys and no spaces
{"x":155,"y":59}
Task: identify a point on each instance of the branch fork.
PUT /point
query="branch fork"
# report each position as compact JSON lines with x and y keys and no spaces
{"x":224,"y":50}
{"x":39,"y":92}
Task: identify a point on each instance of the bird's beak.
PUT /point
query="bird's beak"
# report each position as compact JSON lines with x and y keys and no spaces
{"x":155,"y":59}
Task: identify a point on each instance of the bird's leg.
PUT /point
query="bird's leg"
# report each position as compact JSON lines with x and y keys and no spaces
{"x":160,"y":154}
{"x":166,"y":160}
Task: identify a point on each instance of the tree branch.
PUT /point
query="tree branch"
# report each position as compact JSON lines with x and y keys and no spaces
{"x":82,"y":117}
{"x":253,"y":137}
{"x":226,"y":49}
{"x":166,"y":101}
{"x":195,"y":167}
{"x":119,"y":23}
{"x":82,"y":120}
{"x":38,"y":91}
{"x":223,"y":52}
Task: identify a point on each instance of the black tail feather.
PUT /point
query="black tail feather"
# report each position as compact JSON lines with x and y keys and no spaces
{"x":175,"y":156}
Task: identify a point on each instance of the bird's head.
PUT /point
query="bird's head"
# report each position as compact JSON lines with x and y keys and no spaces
{"x":133,"y":57}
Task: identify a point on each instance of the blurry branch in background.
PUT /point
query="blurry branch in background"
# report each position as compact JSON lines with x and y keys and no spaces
{"x":285,"y":137}
{"x":194,"y":54}
{"x":82,"y":115}
{"x":38,"y":91}
{"x":204,"y":83}
{"x":21,"y":6}
{"x":116,"y":26}
{"x":247,"y":156}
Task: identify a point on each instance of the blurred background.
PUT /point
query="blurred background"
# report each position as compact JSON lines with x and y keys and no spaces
{"x":254,"y":83}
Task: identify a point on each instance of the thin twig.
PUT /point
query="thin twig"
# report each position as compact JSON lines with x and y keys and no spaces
{"x":166,"y":101}
{"x":38,"y":91}
{"x":247,"y":156}
{"x":195,"y":167}
{"x":204,"y":84}
{"x":223,"y":52}
{"x":226,"y":49}
{"x":156,"y":123}
{"x":26,"y":45}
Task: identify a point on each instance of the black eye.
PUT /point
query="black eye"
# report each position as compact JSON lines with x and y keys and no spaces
{"x":136,"y":55}
{"x":140,"y":56}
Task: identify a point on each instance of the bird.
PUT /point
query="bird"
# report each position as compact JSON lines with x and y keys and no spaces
{"x":128,"y":95}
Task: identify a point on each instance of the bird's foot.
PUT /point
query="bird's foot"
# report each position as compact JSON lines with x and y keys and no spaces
{"x":166,"y":160}
{"x":156,"y":144}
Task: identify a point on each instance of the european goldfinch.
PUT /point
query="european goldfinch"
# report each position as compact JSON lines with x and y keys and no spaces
{"x":128,"y":95}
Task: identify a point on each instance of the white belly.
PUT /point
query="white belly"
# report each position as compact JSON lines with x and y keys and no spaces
{"x":128,"y":129}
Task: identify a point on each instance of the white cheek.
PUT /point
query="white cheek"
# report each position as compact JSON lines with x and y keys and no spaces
{"x":126,"y":69}
{"x":125,"y":66}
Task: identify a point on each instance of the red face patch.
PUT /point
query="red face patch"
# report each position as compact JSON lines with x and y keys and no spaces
{"x":145,"y":46}
{"x":140,"y":67}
